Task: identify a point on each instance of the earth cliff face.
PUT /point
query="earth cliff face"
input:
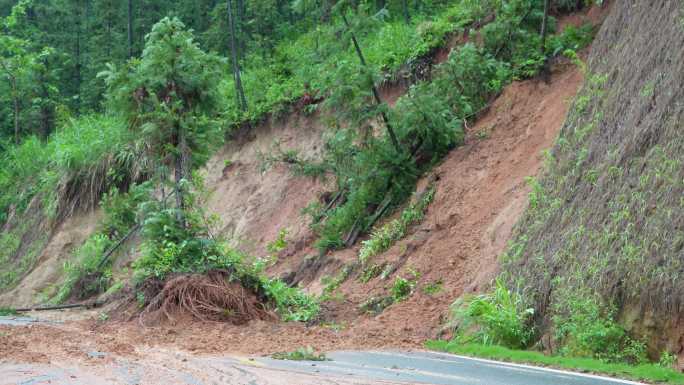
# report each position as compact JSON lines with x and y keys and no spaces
{"x":609,"y":213}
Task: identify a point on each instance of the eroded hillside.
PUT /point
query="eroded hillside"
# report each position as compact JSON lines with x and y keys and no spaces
{"x":606,"y":226}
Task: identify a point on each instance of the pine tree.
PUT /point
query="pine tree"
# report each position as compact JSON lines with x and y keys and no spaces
{"x":170,"y":98}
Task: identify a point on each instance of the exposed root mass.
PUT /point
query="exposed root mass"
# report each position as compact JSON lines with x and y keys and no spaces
{"x":206,"y":297}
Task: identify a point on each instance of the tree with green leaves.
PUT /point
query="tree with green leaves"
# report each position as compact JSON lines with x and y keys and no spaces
{"x":169,"y":96}
{"x":26,"y":74}
{"x":376,"y":94}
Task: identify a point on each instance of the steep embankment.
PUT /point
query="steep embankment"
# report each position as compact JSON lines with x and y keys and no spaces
{"x":608,"y":216}
{"x":480,"y":193}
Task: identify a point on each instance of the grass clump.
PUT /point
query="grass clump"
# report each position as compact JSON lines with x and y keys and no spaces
{"x":404,"y":287}
{"x":640,"y":372}
{"x":384,"y":237}
{"x":583,"y":328}
{"x":301,"y":354}
{"x":4,"y":312}
{"x":433,"y":288}
{"x":497,"y":318}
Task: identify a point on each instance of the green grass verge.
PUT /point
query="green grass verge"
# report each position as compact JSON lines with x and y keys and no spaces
{"x":643,"y":372}
{"x":7,"y":311}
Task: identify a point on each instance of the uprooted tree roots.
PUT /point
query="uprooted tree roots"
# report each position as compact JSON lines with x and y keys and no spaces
{"x":207,"y":297}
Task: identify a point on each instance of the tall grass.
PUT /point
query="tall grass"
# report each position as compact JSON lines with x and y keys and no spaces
{"x":74,"y":151}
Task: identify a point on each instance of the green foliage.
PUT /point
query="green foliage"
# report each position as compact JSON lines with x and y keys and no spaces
{"x":5,"y":311}
{"x":333,"y":283}
{"x":171,"y":250}
{"x":572,"y":38}
{"x":279,"y":243}
{"x":642,"y":372}
{"x":9,"y":243}
{"x":402,"y":288}
{"x":433,"y":288}
{"x":384,"y":237}
{"x":169,"y":95}
{"x":497,"y":318}
{"x":292,"y":304}
{"x":582,"y":329}
{"x":667,"y":360}
{"x":90,"y":153}
{"x":87,"y":259}
{"x":86,"y":274}
{"x":371,"y":271}
{"x":301,"y":354}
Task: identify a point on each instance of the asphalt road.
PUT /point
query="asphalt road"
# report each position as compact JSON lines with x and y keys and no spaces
{"x":171,"y":367}
{"x":437,"y":369}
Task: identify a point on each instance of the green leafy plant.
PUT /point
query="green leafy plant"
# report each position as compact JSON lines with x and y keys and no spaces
{"x":384,"y":237}
{"x":401,"y":289}
{"x":433,"y":288}
{"x":404,"y":287}
{"x":301,"y":354}
{"x":667,"y":360}
{"x":497,"y":318}
{"x":583,"y":329}
{"x":279,"y":243}
{"x":5,"y":311}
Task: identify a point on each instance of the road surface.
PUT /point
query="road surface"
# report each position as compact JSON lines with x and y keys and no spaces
{"x":170,"y":367}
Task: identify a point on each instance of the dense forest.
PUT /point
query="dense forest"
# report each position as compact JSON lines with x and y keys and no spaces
{"x":53,"y":50}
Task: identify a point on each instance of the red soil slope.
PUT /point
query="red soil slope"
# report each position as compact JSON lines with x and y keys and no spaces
{"x":480,"y":193}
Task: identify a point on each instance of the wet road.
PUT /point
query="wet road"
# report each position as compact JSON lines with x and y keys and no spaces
{"x":171,"y":367}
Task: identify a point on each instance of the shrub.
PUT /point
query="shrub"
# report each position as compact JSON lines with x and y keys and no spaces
{"x":83,"y":274}
{"x":384,"y":237}
{"x":86,"y":273}
{"x":583,"y":329}
{"x":401,"y":289}
{"x":497,"y":318}
{"x":667,"y":360}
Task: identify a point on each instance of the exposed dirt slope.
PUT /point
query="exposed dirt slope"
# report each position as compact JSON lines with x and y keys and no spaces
{"x":480,"y":193}
{"x":48,"y":266}
{"x":254,"y":196}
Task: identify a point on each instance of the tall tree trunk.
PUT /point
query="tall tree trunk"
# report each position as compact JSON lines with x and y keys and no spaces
{"x":239,"y":91}
{"x":239,"y":28}
{"x":78,"y":59}
{"x":181,"y":173}
{"x":407,"y":15}
{"x":15,"y":97}
{"x":130,"y":29}
{"x":109,"y":15}
{"x":14,"y":90}
{"x":46,"y":112}
{"x":543,"y":32}
{"x":546,"y":71}
{"x":376,"y":93}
